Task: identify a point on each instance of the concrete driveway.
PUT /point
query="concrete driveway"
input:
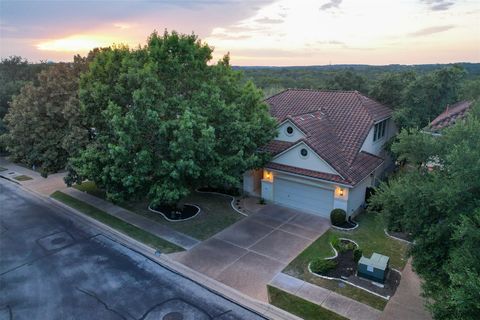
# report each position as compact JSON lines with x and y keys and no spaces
{"x":248,"y":254}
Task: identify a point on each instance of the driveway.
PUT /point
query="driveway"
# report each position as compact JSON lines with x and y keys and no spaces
{"x":54,"y":267}
{"x":248,"y":254}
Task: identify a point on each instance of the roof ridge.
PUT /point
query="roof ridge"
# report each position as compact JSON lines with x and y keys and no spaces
{"x":322,"y":90}
{"x":276,"y":94}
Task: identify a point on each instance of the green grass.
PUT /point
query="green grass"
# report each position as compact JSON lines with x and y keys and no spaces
{"x":216,"y":214}
{"x":3,"y":169}
{"x":300,"y":307}
{"x":370,"y":237}
{"x":22,"y":178}
{"x":116,"y":223}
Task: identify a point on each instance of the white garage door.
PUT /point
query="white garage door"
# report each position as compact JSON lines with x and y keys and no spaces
{"x":304,"y":197}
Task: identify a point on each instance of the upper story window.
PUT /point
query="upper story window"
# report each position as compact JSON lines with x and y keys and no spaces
{"x":379,"y":130}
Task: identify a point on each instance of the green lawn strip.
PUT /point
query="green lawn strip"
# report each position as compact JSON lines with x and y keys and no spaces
{"x":118,"y":224}
{"x":216,"y":214}
{"x":300,"y":307}
{"x":3,"y":169}
{"x":22,"y":178}
{"x":370,"y":237}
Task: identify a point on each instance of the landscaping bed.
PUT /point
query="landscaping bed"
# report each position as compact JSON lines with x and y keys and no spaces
{"x":370,"y":237}
{"x":187,"y":211}
{"x":348,"y":224}
{"x":400,"y":235}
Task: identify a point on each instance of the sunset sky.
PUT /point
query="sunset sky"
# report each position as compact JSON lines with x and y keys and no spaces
{"x":255,"y":32}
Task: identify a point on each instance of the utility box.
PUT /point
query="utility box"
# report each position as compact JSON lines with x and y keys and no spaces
{"x":374,"y":268}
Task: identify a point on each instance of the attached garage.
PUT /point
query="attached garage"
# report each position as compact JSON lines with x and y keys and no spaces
{"x":304,"y":197}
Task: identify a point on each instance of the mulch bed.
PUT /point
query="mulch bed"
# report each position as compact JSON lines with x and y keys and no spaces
{"x":345,"y":265}
{"x":347,"y":268}
{"x":174,"y":213}
{"x":348,"y":224}
{"x":230,"y":191}
{"x":392,"y":281}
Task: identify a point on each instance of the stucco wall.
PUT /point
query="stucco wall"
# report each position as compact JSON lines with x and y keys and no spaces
{"x":376,"y":147}
{"x":284,"y":136}
{"x":357,"y":195}
{"x":312,"y":162}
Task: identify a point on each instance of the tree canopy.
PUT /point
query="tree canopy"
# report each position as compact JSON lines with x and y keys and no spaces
{"x":164,"y":121}
{"x":441,"y":208}
{"x":43,"y":122}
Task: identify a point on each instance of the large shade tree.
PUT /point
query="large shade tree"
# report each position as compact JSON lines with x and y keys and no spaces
{"x":441,"y":208}
{"x":165,"y":121}
{"x":43,"y":122}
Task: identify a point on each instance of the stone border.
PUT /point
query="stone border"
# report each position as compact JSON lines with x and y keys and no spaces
{"x":170,"y":220}
{"x":345,"y":229}
{"x":343,"y":280}
{"x":396,"y":238}
{"x":232,"y":203}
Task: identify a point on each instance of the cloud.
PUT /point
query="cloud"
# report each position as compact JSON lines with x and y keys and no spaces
{"x":430,"y":30}
{"x":331,"y":4}
{"x":438,"y":5}
{"x":269,"y":21}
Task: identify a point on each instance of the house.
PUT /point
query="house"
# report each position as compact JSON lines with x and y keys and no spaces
{"x":328,"y":151}
{"x":450,"y":116}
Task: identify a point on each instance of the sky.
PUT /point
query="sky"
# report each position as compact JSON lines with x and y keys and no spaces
{"x":255,"y":32}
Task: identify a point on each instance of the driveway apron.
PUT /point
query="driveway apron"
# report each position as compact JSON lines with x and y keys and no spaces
{"x":249,"y":254}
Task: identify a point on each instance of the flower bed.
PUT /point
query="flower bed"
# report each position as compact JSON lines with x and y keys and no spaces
{"x":347,"y":225}
{"x":343,"y":266}
{"x":187,"y":212}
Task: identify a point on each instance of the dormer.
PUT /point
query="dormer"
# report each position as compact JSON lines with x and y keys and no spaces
{"x":288,"y":131}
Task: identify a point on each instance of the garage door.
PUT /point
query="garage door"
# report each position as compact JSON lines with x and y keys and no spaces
{"x":304,"y":197}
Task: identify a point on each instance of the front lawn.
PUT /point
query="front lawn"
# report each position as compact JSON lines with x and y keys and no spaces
{"x":116,"y":223}
{"x":371,"y":238}
{"x":300,"y":307}
{"x":216,"y":212}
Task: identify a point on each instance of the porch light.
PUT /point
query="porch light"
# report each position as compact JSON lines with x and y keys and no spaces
{"x":340,"y":192}
{"x":267,"y":175}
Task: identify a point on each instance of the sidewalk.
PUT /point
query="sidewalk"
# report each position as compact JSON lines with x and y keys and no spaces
{"x":342,"y":305}
{"x":407,"y":302}
{"x":153,"y":227}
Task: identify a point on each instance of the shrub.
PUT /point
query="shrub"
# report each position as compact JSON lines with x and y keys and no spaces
{"x":357,"y":254}
{"x":262,"y":201}
{"x":338,"y":217}
{"x":346,"y":246}
{"x":322,"y":266}
{"x":335,"y":241}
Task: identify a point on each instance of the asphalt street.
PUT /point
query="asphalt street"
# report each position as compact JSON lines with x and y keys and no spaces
{"x":56,"y":267}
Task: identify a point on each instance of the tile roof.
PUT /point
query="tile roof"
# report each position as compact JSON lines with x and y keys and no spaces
{"x":276,"y":146}
{"x":449,"y":116}
{"x":336,"y":124}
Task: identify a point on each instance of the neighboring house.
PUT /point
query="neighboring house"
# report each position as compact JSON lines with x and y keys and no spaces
{"x":329,"y":150}
{"x":449,"y":117}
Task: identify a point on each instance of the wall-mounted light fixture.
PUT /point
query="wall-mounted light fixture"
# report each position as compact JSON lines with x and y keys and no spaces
{"x":267,"y":175}
{"x":340,"y":192}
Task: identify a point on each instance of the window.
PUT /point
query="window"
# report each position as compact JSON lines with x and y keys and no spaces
{"x":304,"y":152}
{"x":379,"y":130}
{"x":289,"y":131}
